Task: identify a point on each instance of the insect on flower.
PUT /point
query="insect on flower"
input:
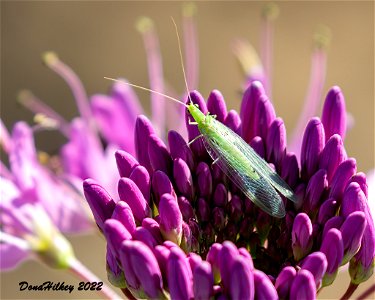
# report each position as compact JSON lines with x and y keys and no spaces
{"x":238,"y":160}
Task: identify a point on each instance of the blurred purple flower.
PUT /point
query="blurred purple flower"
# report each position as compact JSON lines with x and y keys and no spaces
{"x":27,"y":209}
{"x":108,"y":116}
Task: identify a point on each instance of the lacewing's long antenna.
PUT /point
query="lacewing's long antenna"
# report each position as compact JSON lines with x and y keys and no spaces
{"x":159,"y":93}
{"x":182,"y":61}
{"x":146,"y":89}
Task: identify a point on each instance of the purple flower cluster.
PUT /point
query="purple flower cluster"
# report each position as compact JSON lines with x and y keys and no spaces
{"x":182,"y":228}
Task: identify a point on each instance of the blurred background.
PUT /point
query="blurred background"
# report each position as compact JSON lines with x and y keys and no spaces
{"x":99,"y":39}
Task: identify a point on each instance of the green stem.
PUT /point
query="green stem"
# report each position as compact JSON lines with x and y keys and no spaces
{"x":351,"y":288}
{"x":128,"y":294}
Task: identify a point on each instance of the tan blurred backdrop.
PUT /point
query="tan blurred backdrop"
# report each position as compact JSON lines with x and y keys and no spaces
{"x":99,"y":39}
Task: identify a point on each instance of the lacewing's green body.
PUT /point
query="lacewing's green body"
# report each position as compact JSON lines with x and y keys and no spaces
{"x":252,"y":174}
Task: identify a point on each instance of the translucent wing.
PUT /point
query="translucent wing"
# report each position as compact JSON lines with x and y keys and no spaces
{"x":223,"y":147}
{"x":246,"y":168}
{"x":258,"y":163}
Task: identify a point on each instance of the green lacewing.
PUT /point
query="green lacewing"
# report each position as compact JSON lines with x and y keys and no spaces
{"x":238,"y":160}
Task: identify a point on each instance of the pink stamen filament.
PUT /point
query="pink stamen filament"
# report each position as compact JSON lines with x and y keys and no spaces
{"x":266,"y":50}
{"x":312,"y":99}
{"x":155,"y":72}
{"x":191,"y":47}
{"x":37,"y":106}
{"x":82,"y":272}
{"x":75,"y":85}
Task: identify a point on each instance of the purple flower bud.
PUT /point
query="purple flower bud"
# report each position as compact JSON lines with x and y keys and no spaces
{"x":276,"y":142}
{"x":197,"y":146}
{"x":154,"y":228}
{"x":143,"y":130}
{"x":353,"y":200}
{"x":289,"y":169}
{"x":362,"y":264}
{"x":226,"y":258}
{"x":332,"y":155}
{"x":333,"y":248}
{"x":248,"y":109}
{"x":194,"y":260}
{"x":186,"y":209}
{"x":327,"y":210}
{"x":114,"y":272}
{"x":124,"y":214}
{"x":303,"y":286}
{"x":194,"y":227}
{"x":233,"y":121}
{"x":246,"y":255}
{"x":220,"y":195}
{"x":130,"y":193}
{"x":180,"y":149}
{"x":169,"y":244}
{"x":161,"y":185}
{"x":334,"y":222}
{"x":141,"y":178}
{"x":264,"y":116}
{"x":115,"y":234}
{"x":217,"y":174}
{"x":312,"y":146}
{"x":352,"y":232}
{"x":182,"y":177}
{"x":360,"y":178}
{"x":203,"y":212}
{"x":204,"y":180}
{"x":143,"y":235}
{"x":125,"y":163}
{"x":264,"y":289}
{"x":160,"y":158}
{"x":341,"y":177}
{"x":301,"y":236}
{"x":257,"y":144}
{"x":162,"y":254}
{"x":242,"y":280}
{"x":170,"y":219}
{"x":218,"y":216}
{"x":203,"y":281}
{"x":334,"y":113}
{"x":317,"y":264}
{"x":216,"y":105}
{"x":187,"y":239}
{"x":235,"y":208}
{"x":213,"y":259}
{"x":179,"y":275}
{"x":140,"y":263}
{"x":100,"y":202}
{"x":284,"y":281}
{"x":317,"y":185}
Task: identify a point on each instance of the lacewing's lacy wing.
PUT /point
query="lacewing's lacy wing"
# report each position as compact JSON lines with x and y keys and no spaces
{"x":248,"y":171}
